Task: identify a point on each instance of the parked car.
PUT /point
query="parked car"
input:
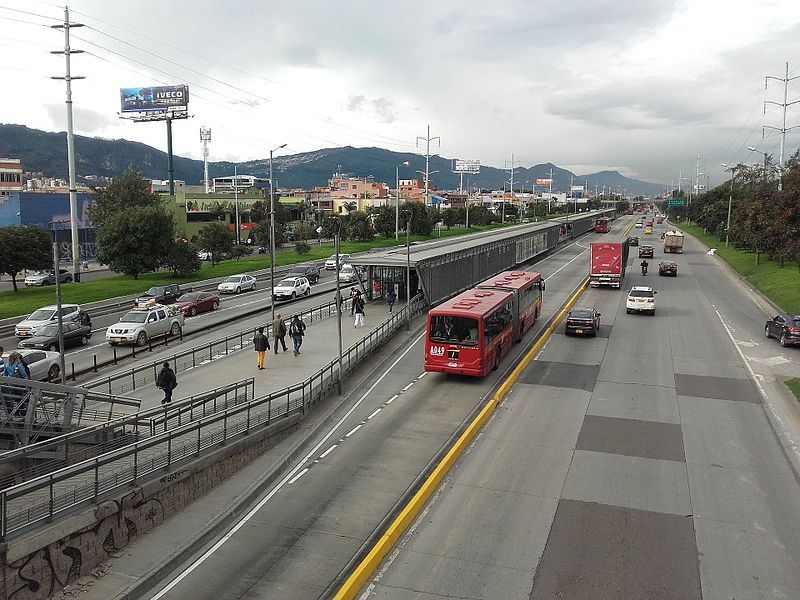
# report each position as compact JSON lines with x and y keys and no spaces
{"x":641,"y":299}
{"x":46,"y":337}
{"x":236,"y":284}
{"x":70,"y":313}
{"x":192,"y":303}
{"x":785,"y":327}
{"x":582,"y":320}
{"x":204,"y":255}
{"x":291,"y":288}
{"x":645,"y":251}
{"x":348,"y":274}
{"x":310,"y":272}
{"x":44,"y":365}
{"x":668,"y":267}
{"x":633,"y":241}
{"x":162,"y":294}
{"x":140,"y":324}
{"x":48,"y":277}
{"x":330,"y":264}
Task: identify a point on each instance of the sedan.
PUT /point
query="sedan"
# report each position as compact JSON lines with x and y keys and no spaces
{"x":192,"y":303}
{"x":646,"y":251}
{"x":638,"y":224}
{"x":310,"y":272}
{"x":48,"y":278}
{"x":46,"y":338}
{"x":786,"y":328}
{"x":633,"y":241}
{"x":290,"y":288}
{"x":348,"y":274}
{"x":668,"y":267}
{"x":44,"y":365}
{"x":235,"y":284}
{"x":582,"y":320}
{"x":330,"y":264}
{"x":648,"y":230}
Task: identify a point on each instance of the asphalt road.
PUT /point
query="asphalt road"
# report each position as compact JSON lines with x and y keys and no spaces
{"x":642,"y":463}
{"x":304,"y":531}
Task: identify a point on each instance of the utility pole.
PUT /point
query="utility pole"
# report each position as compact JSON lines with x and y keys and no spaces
{"x":514,"y":165}
{"x":428,"y":141}
{"x":205,"y":137}
{"x":73,"y":192}
{"x":550,"y":199}
{"x":783,"y":129}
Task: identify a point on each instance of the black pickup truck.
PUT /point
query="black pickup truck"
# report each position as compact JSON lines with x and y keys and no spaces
{"x":162,"y":294}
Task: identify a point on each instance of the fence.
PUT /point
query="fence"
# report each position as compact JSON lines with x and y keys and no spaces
{"x":47,"y":496}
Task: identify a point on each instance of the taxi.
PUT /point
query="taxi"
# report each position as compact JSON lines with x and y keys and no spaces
{"x":648,"y":230}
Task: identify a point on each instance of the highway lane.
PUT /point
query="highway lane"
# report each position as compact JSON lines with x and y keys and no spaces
{"x":304,"y":531}
{"x":638,"y":464}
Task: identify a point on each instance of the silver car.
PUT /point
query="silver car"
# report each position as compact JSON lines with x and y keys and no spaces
{"x":46,"y":315}
{"x":236,"y":284}
{"x":48,"y":277}
{"x":44,"y":365}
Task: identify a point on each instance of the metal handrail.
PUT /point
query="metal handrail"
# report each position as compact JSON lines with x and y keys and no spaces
{"x":198,"y":435}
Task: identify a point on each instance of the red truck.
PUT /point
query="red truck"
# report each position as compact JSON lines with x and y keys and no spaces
{"x":607,"y":263}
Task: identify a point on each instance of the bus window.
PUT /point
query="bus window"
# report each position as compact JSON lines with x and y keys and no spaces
{"x":497,"y":322}
{"x":453,"y":329}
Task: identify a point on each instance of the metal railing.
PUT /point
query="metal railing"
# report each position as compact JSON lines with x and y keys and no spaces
{"x":42,"y":498}
{"x":146,"y":374}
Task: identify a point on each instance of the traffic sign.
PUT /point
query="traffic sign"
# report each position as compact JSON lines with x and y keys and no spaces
{"x":676,"y":202}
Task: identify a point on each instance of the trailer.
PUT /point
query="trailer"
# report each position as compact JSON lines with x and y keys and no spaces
{"x":673,"y":242}
{"x":607,"y":263}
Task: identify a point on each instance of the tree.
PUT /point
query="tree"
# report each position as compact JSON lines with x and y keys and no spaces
{"x":420,"y":215}
{"x":128,"y":191}
{"x":259,"y":212}
{"x":359,"y":227}
{"x":304,"y":231}
{"x":384,"y":217}
{"x":451,"y":216}
{"x":182,"y":259}
{"x":239,"y":250}
{"x":24,"y":247}
{"x":350,"y":206}
{"x":218,"y":239}
{"x":330,"y":225}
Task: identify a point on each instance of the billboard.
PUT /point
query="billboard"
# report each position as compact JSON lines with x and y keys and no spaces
{"x":153,"y":99}
{"x":461,"y":165}
{"x":544,"y":181}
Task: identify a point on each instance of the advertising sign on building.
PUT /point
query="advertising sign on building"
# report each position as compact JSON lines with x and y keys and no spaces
{"x":461,"y":165}
{"x":153,"y":99}
{"x":544,"y":181}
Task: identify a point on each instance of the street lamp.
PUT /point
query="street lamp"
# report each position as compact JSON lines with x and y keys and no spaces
{"x":397,"y":200}
{"x":407,"y":215}
{"x":336,"y":239}
{"x":236,"y":197}
{"x":754,"y":149}
{"x":730,"y":202}
{"x":272,"y":232}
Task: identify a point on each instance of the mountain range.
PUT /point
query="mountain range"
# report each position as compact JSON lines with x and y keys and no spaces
{"x":45,"y":152}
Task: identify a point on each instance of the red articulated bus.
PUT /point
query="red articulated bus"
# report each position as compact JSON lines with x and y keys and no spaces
{"x":601,"y":225}
{"x":470,"y":334}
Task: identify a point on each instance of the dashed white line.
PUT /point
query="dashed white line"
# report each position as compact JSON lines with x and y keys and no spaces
{"x":298,"y":476}
{"x":375,"y":412}
{"x":422,"y":375}
{"x":393,"y":398}
{"x":408,"y":386}
{"x":353,"y":430}
{"x":328,"y":451}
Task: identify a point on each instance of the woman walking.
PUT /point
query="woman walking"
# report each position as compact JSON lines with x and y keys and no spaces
{"x":260,"y":345}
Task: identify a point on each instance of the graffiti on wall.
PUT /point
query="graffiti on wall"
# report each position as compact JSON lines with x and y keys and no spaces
{"x":44,"y":572}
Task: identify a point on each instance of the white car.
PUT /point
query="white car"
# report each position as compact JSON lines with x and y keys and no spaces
{"x":641,"y":299}
{"x":44,"y":365}
{"x":46,"y":315}
{"x":291,"y":288}
{"x":236,"y":284}
{"x":330,"y":264}
{"x":204,"y":255}
{"x":639,"y":225}
{"x":348,"y":274}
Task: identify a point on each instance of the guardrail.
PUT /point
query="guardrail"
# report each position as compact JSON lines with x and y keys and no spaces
{"x":200,"y":355}
{"x":44,"y":497}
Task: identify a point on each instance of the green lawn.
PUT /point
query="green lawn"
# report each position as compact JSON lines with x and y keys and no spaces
{"x":782,"y":286}
{"x":794,"y":385}
{"x":26,"y":300}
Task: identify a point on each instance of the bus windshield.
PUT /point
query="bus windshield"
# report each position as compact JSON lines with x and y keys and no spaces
{"x":461,"y":330}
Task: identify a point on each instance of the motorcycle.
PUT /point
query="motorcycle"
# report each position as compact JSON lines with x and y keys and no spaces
{"x":644,"y":268}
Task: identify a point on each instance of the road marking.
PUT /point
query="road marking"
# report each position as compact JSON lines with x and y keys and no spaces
{"x":408,"y":386}
{"x":566,"y":264}
{"x":353,"y":430}
{"x":422,"y":375}
{"x":298,"y":476}
{"x":375,"y":412}
{"x":328,"y":451}
{"x":283,"y":482}
{"x":392,"y":399}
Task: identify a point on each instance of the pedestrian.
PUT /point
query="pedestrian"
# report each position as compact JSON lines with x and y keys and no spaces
{"x":337,"y":298}
{"x":391,"y":298}
{"x":279,"y":332}
{"x":358,"y":307}
{"x":261,"y":345}
{"x":354,"y":293}
{"x":16,"y":395}
{"x":2,"y":362}
{"x":166,"y":381}
{"x":297,"y":329}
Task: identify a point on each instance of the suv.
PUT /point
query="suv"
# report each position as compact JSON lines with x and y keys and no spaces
{"x":786,"y":328}
{"x":330,"y":264}
{"x":641,"y":299}
{"x":144,"y":322}
{"x":291,"y":288}
{"x":645,"y":251}
{"x":70,"y":313}
{"x":48,"y":278}
{"x":162,"y":294}
{"x":310,"y":272}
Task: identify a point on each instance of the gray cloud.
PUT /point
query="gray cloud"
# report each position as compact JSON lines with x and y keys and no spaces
{"x":85,"y":120}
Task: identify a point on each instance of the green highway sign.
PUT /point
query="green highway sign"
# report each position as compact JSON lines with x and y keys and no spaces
{"x":676,"y":202}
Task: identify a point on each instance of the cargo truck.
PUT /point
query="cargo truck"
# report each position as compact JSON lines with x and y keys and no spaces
{"x":673,"y":242}
{"x":607,"y":263}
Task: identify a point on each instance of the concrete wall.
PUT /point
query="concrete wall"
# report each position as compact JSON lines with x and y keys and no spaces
{"x":38,"y":565}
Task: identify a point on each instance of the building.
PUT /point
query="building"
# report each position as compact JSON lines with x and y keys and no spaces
{"x":364,"y":191}
{"x":10,"y":177}
{"x":228,"y":184}
{"x":413,"y":189}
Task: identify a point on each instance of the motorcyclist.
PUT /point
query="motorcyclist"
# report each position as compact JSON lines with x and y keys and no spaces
{"x":644,"y":267}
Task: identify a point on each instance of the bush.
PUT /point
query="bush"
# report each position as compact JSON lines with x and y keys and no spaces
{"x":182,"y":259}
{"x":239,"y":251}
{"x":302,"y":247}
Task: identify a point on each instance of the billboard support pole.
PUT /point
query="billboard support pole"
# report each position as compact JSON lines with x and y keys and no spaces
{"x":170,"y":166}
{"x":73,"y":192}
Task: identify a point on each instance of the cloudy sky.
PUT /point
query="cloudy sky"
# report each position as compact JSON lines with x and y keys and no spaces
{"x":641,"y":86}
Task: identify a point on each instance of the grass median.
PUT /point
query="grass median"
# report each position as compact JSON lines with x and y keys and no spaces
{"x":781,"y":285}
{"x":26,"y":300}
{"x":794,"y":385}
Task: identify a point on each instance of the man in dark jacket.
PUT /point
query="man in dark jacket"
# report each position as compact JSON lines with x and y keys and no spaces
{"x":297,"y":329}
{"x":260,"y":345}
{"x":279,"y":332}
{"x":166,"y":381}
